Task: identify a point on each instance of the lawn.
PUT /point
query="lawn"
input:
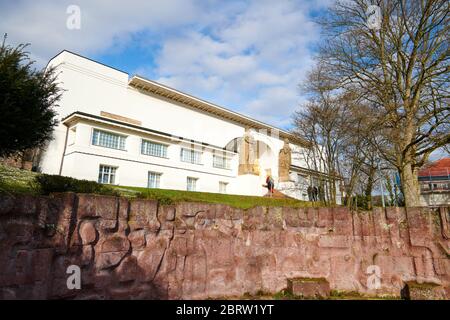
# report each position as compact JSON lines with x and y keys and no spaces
{"x":237,"y":201}
{"x":20,"y":181}
{"x":16,"y":180}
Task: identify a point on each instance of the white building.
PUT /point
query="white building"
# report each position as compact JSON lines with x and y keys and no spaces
{"x":131,"y":131}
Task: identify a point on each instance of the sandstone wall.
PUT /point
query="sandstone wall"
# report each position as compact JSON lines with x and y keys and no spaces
{"x":137,"y":249}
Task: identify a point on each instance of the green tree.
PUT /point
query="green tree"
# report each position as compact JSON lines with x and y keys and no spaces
{"x":28,"y":98}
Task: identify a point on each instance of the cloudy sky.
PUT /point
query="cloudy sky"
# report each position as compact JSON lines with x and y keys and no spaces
{"x":248,"y":56}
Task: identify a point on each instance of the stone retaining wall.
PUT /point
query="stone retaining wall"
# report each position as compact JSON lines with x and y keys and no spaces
{"x":137,"y":249}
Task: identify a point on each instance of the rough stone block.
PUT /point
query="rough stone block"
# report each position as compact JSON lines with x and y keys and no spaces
{"x":424,"y":291}
{"x":325,"y":218}
{"x":342,"y":214}
{"x":127,"y":270}
{"x":292,"y":217}
{"x":343,"y":227}
{"x":107,"y":207}
{"x":334,"y":241}
{"x":419,"y":227}
{"x":87,"y":206}
{"x":143,"y":215}
{"x":137,"y":239}
{"x":309,"y":287}
{"x":7,"y":203}
{"x":88,"y":233}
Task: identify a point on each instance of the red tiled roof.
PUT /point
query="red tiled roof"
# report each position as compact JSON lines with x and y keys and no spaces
{"x":438,"y":168}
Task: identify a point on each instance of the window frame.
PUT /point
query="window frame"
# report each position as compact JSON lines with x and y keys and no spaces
{"x":227,"y":161}
{"x":195,"y":183}
{"x":223,"y":183}
{"x":115,"y":174}
{"x":154,"y":142}
{"x":72,"y":136}
{"x":159,"y":175}
{"x":193,"y":151}
{"x":112,"y":133}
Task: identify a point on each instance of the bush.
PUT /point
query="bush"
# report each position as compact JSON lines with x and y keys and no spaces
{"x":28,"y":99}
{"x":362,"y":201}
{"x":47,"y":184}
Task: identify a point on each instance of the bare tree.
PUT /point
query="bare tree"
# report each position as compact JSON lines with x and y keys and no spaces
{"x":400,"y":67}
{"x":324,"y":120}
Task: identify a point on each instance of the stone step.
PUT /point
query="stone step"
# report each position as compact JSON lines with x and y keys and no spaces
{"x":277,"y":195}
{"x":424,"y":291}
{"x":309,"y":287}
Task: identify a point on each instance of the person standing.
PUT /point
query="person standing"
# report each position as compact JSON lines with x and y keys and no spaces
{"x":270,"y":184}
{"x":315,"y":193}
{"x":310,"y":191}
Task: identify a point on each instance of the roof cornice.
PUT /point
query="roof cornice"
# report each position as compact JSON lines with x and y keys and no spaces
{"x":158,"y":89}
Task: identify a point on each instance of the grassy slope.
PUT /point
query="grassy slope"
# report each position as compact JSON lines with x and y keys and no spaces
{"x":16,"y":180}
{"x":243,"y":202}
{"x":20,"y":181}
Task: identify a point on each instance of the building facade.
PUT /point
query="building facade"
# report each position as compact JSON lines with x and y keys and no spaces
{"x":130,"y":131}
{"x":434,"y":181}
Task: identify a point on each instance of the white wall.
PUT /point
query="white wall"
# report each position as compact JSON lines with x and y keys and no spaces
{"x":435,"y":199}
{"x":83,"y":159}
{"x":91,"y":88}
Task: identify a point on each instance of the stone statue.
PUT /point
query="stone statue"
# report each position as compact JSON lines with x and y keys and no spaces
{"x":248,"y":161}
{"x":284,"y":162}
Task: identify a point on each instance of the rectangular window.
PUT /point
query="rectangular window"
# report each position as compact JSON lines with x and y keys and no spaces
{"x":191,"y":156}
{"x":107,"y":174}
{"x":108,"y":140}
{"x":221,"y":162}
{"x":150,"y":148}
{"x":71,"y":139}
{"x":191,"y":184}
{"x":154,"y":179}
{"x":223,"y":187}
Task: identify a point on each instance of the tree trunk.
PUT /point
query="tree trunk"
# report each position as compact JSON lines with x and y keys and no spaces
{"x":369,"y":187}
{"x":410,"y":186}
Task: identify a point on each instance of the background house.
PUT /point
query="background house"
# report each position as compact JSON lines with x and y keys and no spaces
{"x":434,"y":180}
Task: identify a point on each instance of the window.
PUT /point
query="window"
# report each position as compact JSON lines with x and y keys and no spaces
{"x":223,"y":187}
{"x":107,"y":174}
{"x":154,"y":179}
{"x":108,"y":140}
{"x":191,"y":156}
{"x":191,"y":184}
{"x":72,"y":136}
{"x":221,"y":162}
{"x":150,"y":148}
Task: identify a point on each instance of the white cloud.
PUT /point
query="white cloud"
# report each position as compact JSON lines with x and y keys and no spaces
{"x":104,"y":23}
{"x":260,"y":54}
{"x":245,"y":55}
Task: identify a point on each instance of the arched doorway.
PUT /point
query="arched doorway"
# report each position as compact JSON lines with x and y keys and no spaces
{"x":266,"y":159}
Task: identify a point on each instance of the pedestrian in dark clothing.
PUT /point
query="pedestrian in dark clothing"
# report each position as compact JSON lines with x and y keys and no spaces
{"x":270,"y":184}
{"x":321,"y":193}
{"x":310,"y":198}
{"x":315,"y":193}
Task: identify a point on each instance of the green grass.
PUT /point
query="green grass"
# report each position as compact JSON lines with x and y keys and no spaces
{"x":242,"y":202}
{"x":20,"y":181}
{"x":16,"y":181}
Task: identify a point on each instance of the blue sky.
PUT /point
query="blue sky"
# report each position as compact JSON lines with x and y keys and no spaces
{"x":248,"y":56}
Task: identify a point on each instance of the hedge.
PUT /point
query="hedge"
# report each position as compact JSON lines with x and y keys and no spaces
{"x":46,"y":184}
